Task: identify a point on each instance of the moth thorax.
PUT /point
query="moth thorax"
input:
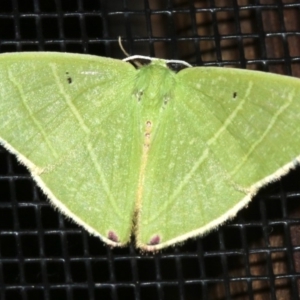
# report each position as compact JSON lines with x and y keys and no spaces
{"x":155,"y":83}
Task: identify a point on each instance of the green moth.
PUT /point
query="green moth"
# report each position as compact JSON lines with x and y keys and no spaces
{"x":163,"y":155}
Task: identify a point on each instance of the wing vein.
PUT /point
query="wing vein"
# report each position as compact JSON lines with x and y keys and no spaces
{"x":103,"y":180}
{"x":85,"y":128}
{"x":30,"y":112}
{"x":263,"y":136}
{"x":211,"y":141}
{"x":205,"y":153}
{"x":68,"y":100}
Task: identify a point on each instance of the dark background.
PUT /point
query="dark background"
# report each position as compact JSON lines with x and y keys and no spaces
{"x":255,"y":256}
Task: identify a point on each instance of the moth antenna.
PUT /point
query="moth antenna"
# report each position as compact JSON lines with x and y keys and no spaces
{"x":121,"y":46}
{"x":136,"y":63}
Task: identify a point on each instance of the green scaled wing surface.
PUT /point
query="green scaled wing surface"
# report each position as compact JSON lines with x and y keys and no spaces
{"x":163,"y":155}
{"x":224,"y":134}
{"x":70,"y":120}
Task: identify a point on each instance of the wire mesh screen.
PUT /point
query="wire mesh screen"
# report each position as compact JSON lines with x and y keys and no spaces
{"x":254,"y":256}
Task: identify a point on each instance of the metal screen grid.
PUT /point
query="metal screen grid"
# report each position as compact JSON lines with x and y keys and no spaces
{"x":255,"y":256}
